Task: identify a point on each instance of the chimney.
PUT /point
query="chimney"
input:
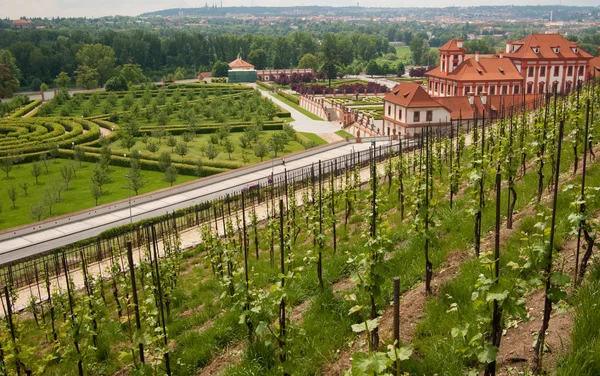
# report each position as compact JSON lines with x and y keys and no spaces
{"x":471,"y":97}
{"x":500,"y":55}
{"x":508,"y":46}
{"x":477,"y":56}
{"x":459,"y":43}
{"x":483,"y":97}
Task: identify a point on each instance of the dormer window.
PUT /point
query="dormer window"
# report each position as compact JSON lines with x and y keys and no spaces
{"x":575,"y":50}
{"x":536,"y":50}
{"x":555,"y":49}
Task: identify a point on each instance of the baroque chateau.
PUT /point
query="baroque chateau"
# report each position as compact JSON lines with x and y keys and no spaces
{"x":465,"y":87}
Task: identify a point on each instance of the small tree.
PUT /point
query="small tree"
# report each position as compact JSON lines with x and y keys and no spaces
{"x":212,"y":151}
{"x":245,"y":141}
{"x":36,"y":212}
{"x":12,"y":194}
{"x":164,"y":161}
{"x":24,"y":186}
{"x":229,"y":147}
{"x":181,"y":149}
{"x":223,"y":132}
{"x":277,"y":143}
{"x":188,"y":136}
{"x":100,"y":175}
{"x":171,"y":175}
{"x":50,"y":198}
{"x":67,"y":174}
{"x":261,"y":149}
{"x":127,"y":141}
{"x":199,"y":167}
{"x":36,"y":171}
{"x":172,"y":142}
{"x":6,"y":164}
{"x":136,"y":180}
{"x":45,"y":160}
{"x":96,"y":192}
{"x":79,"y":154}
{"x":152,"y":147}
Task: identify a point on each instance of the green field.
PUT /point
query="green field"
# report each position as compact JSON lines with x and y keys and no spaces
{"x":77,"y":197}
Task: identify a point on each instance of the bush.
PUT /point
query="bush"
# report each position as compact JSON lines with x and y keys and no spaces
{"x":117,"y":83}
{"x":289,"y":97}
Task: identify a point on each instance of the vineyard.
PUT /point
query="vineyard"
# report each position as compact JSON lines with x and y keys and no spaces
{"x":471,"y":253}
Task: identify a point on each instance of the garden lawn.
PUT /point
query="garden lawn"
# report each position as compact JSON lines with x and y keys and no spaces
{"x":239,"y":156}
{"x":296,"y":107}
{"x":77,"y":197}
{"x":343,"y":133}
{"x":315,"y":138}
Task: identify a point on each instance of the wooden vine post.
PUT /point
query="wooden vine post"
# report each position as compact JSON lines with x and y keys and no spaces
{"x":428,"y":264}
{"x":136,"y":305}
{"x":282,"y":329}
{"x":539,"y":344}
{"x":247,"y":303}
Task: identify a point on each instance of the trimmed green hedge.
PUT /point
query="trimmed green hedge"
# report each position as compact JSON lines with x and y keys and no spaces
{"x":25,"y":109}
{"x":262,"y":84}
{"x":289,"y":97}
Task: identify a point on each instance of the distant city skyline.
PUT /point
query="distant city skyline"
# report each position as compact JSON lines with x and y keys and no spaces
{"x":92,"y":8}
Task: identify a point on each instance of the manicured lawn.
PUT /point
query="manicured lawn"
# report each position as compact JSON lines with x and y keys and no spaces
{"x":77,"y":197}
{"x":343,"y":133}
{"x":313,"y":137}
{"x":239,"y":156}
{"x":296,"y":107}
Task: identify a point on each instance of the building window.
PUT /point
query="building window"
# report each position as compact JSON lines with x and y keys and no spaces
{"x":542,"y":71}
{"x":556,"y":71}
{"x":417,"y":117}
{"x":492,"y":90}
{"x":529,"y":88}
{"x":442,"y":87}
{"x":430,"y":85}
{"x":399,"y":114}
{"x":581,"y":70}
{"x":479,"y":89}
{"x":531,"y":71}
{"x":504,"y":89}
{"x":429,"y":116}
{"x":436,"y":86}
{"x":389,"y":110}
{"x":570,"y":71}
{"x":541,"y":90}
{"x":516,"y":90}
{"x":467,"y":89}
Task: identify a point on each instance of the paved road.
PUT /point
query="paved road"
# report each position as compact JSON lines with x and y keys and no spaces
{"x":45,"y":236}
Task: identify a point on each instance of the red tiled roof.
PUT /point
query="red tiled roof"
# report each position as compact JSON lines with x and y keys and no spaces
{"x":452,"y":45}
{"x":546,"y":43}
{"x":459,"y":107}
{"x":239,"y":63}
{"x":409,"y":94}
{"x":484,"y":70}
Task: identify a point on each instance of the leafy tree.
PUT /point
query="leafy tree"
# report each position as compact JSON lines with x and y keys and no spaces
{"x":245,"y":141}
{"x":100,"y":175}
{"x":258,"y":57}
{"x":188,"y":137}
{"x":135,"y":179}
{"x":223,"y":132}
{"x":36,"y":171}
{"x":87,"y":77}
{"x":117,"y":83}
{"x":79,"y":154}
{"x":9,"y":61}
{"x":62,"y":81}
{"x":329,"y":58}
{"x":37,"y":211}
{"x":277,"y":143}
{"x":66,"y":172}
{"x":179,"y":73}
{"x":127,"y":140}
{"x":35,"y":84}
{"x":171,"y":175}
{"x":172,"y":142}
{"x":308,"y":61}
{"x":12,"y":194}
{"x":211,"y":151}
{"x":96,"y":192}
{"x":479,"y":45}
{"x":418,"y":47}
{"x":164,"y":161}
{"x":133,"y":73}
{"x":51,"y":197}
{"x":98,"y":57}
{"x":6,"y":164}
{"x":431,"y":57}
{"x":220,"y":69}
{"x":372,"y":68}
{"x":199,"y":167}
{"x":401,"y":70}
{"x":181,"y":149}
{"x":261,"y":149}
{"x":228,"y":146}
{"x":152,"y":147}
{"x":8,"y":82}
{"x":24,"y":186}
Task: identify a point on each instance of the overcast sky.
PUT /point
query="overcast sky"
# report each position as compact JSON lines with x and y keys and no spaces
{"x":98,"y":8}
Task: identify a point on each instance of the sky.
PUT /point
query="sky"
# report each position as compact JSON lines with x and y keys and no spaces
{"x":94,"y":8}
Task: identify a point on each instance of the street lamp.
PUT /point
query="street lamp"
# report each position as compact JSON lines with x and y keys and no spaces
{"x":129,"y":197}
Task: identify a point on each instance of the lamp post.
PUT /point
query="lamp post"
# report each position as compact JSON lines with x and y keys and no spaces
{"x":129,"y":197}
